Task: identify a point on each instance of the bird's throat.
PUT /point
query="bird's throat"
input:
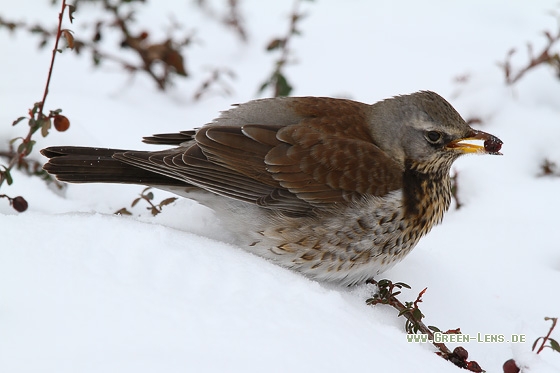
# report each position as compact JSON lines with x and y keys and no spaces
{"x":426,"y":196}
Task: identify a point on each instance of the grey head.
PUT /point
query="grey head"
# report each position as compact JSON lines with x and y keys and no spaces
{"x":423,"y":129}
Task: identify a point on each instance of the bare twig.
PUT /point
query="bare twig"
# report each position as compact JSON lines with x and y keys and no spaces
{"x":216,"y":78}
{"x":455,"y":190}
{"x":546,"y":56}
{"x":387,"y":292}
{"x":38,"y":118}
{"x":54,"y":51}
{"x":390,"y":298}
{"x":546,"y":339}
{"x":280,"y":84}
{"x":147,"y":196}
{"x":232,"y":18}
{"x":160,"y":60}
{"x":549,"y":168}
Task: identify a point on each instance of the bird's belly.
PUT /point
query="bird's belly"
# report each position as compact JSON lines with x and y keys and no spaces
{"x":347,"y":246}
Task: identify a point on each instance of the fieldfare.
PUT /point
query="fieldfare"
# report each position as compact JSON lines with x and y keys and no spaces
{"x":336,"y":189}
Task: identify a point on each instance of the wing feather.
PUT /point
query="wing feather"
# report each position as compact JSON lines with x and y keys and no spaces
{"x":319,"y":153}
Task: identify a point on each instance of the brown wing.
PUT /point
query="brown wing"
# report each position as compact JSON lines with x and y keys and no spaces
{"x":326,"y":157}
{"x":323,"y":168}
{"x":315,"y":168}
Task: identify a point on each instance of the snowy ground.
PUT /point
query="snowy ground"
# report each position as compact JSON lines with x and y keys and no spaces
{"x":82,"y":290}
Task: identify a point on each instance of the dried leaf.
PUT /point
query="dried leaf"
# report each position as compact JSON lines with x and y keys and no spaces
{"x":175,"y":60}
{"x":275,"y":44}
{"x":45,"y":127}
{"x":17,"y":120}
{"x":35,"y":109}
{"x":535,"y":343}
{"x":167,"y":201}
{"x":69,"y":38}
{"x":123,"y":211}
{"x":12,"y":141}
{"x":71,"y":10}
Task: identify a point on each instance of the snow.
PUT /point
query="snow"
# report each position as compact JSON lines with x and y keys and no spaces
{"x":83,"y":290}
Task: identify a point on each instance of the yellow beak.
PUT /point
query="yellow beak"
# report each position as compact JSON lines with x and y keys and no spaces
{"x":468,"y":145}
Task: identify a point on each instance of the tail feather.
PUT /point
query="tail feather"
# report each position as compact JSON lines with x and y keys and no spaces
{"x":96,"y":165}
{"x":174,"y":139}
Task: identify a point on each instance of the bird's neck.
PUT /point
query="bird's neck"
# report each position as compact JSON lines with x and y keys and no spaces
{"x":426,"y":195}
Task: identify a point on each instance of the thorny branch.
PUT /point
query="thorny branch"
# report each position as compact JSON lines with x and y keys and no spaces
{"x":37,"y":119}
{"x":160,"y":60}
{"x":277,"y":79}
{"x":387,"y":292}
{"x":546,"y":56}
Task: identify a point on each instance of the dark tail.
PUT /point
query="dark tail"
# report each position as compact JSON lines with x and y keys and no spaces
{"x":96,"y":165}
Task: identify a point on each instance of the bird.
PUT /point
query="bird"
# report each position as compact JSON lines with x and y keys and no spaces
{"x":335,"y":189}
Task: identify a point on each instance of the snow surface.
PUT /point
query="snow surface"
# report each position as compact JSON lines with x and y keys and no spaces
{"x":82,"y":290}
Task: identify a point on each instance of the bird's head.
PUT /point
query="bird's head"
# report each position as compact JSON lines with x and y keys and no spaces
{"x":425,"y":130}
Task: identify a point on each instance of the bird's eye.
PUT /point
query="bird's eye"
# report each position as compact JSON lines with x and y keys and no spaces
{"x":433,"y":136}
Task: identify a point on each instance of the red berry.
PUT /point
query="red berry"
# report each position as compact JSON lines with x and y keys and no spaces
{"x":19,"y":204}
{"x":461,"y":353}
{"x":474,"y":367}
{"x":61,"y":123}
{"x":510,"y":367}
{"x":493,"y":144}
